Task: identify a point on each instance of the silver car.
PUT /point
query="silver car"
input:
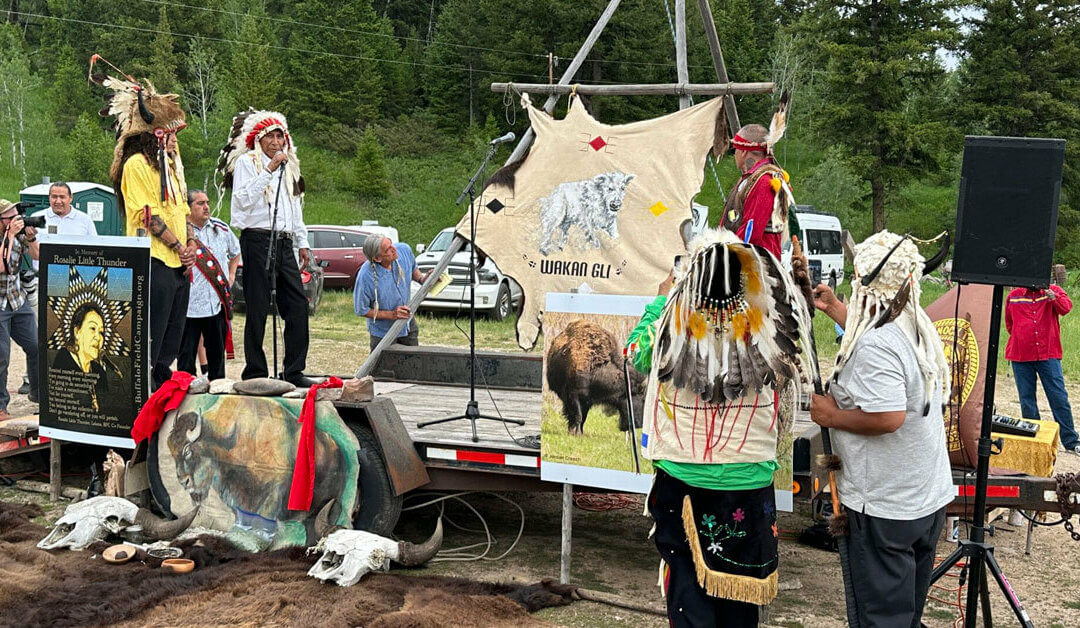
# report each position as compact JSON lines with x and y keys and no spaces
{"x":497,"y":295}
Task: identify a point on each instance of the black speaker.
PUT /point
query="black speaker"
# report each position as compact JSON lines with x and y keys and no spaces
{"x":1007,"y":214}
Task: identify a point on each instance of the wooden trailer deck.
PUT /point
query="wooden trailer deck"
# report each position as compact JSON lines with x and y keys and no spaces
{"x":448,"y":450}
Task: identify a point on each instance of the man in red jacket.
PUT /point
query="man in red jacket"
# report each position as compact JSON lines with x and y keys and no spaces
{"x":1034,"y":348}
{"x":749,"y":208}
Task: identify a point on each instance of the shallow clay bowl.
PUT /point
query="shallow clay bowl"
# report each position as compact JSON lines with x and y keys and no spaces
{"x":118,"y":554}
{"x":178,"y":565}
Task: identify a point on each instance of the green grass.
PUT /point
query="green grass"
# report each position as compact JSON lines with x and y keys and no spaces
{"x":601,"y":445}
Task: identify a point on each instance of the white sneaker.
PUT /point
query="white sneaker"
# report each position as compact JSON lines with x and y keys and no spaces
{"x":1074,"y":450}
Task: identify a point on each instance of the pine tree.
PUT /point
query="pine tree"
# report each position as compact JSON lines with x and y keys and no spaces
{"x":69,"y":95}
{"x":163,"y":59}
{"x":254,"y":75}
{"x":369,"y":177}
{"x":877,"y":55}
{"x":1021,"y":78}
{"x":91,"y":150}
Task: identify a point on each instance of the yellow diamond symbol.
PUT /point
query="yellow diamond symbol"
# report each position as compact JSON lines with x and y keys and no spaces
{"x":658,"y":208}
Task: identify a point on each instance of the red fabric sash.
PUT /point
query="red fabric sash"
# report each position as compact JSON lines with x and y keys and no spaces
{"x":303,"y":482}
{"x":165,"y":399}
{"x":214,"y":273}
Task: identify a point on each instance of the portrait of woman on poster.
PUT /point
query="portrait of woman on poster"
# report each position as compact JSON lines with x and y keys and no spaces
{"x":83,"y":354}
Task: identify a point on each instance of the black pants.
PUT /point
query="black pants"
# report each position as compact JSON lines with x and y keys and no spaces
{"x":411,"y":339}
{"x":212,"y":330}
{"x":169,"y":289}
{"x":688,"y":605}
{"x":891,"y":561}
{"x":291,"y":302}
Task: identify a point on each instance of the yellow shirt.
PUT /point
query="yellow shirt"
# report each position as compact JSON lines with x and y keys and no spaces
{"x":141,"y":186}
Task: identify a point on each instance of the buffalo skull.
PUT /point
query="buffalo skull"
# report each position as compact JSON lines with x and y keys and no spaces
{"x":96,"y":518}
{"x":350,"y":554}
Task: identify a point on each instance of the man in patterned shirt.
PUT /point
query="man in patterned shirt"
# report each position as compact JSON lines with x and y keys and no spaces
{"x":209,"y":306}
{"x":16,"y":318}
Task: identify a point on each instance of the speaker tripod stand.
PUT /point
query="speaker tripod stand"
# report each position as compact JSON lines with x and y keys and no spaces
{"x":472,"y":409}
{"x":975,"y":551}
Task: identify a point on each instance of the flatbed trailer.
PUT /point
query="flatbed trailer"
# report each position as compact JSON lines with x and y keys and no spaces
{"x":418,"y":384}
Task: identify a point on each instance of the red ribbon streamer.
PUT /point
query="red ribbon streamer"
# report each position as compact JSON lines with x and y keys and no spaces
{"x":303,"y":482}
{"x":165,"y":399}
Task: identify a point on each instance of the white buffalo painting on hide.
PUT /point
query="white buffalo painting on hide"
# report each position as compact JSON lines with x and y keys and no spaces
{"x":591,"y":205}
{"x":594,"y":207}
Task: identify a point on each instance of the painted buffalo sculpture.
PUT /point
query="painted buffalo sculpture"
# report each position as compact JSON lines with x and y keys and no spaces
{"x":235,"y":454}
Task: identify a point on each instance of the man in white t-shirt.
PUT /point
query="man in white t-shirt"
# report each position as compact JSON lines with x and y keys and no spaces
{"x":885,"y":413}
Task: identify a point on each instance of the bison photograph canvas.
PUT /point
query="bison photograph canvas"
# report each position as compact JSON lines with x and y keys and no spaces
{"x":592,"y":406}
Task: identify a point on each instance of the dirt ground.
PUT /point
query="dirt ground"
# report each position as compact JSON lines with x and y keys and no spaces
{"x":612,"y":554}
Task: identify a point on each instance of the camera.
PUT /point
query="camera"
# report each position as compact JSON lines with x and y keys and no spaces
{"x":37,"y":222}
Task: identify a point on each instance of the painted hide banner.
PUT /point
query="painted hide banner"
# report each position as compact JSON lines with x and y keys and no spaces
{"x":968,"y":324}
{"x":595,"y":207}
{"x":237,"y":452}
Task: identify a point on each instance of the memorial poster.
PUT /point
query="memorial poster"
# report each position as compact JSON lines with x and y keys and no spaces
{"x":93,"y":337}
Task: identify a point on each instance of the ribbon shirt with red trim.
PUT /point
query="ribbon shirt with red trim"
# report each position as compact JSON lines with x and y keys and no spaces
{"x":1031,"y":317}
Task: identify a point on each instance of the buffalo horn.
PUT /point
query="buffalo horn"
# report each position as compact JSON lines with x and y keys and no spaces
{"x":143,"y":111}
{"x":932,"y":264}
{"x":194,"y":433}
{"x":410,"y":555}
{"x":160,"y":529}
{"x":322,"y":520}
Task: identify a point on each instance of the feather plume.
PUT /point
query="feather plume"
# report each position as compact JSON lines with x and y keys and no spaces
{"x":779,"y":122}
{"x":756,"y":325}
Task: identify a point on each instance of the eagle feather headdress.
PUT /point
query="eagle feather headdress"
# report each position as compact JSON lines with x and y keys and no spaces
{"x":247,"y":129}
{"x":734,"y":323}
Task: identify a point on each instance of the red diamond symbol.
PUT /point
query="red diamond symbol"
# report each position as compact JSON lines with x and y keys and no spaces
{"x":597,"y":143}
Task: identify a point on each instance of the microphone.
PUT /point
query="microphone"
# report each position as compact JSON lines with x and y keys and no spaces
{"x":286,"y":155}
{"x":509,"y":137}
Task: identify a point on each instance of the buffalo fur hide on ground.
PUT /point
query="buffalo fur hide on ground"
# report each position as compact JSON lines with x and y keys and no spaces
{"x":231,"y":587}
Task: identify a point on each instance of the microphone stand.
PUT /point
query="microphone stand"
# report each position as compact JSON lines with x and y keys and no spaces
{"x":472,"y":410}
{"x":272,"y":267}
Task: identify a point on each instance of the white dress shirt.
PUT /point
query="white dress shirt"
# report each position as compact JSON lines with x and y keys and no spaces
{"x":252,"y":201}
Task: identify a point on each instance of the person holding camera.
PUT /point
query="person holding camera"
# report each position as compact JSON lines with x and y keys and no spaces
{"x":1034,"y":348}
{"x":17,"y":320}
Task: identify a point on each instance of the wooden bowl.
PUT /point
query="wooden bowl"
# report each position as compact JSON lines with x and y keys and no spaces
{"x":178,"y":565}
{"x":118,"y":554}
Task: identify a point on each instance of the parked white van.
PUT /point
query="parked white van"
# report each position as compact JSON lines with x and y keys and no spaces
{"x":821,"y":241}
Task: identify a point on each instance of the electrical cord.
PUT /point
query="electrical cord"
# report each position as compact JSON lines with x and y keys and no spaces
{"x":460,"y":554}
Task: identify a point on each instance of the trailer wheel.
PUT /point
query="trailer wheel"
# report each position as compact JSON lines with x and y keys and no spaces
{"x":379,"y":507}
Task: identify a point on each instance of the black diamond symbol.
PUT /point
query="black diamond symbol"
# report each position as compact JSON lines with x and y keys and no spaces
{"x":494,"y":206}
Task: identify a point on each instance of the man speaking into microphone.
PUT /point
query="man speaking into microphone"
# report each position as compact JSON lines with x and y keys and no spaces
{"x":260,"y":165}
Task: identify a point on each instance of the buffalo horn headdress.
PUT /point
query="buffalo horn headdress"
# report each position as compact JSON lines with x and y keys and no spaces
{"x":734,"y":322}
{"x":886,"y":288}
{"x":138,"y":108}
{"x":248,"y":128}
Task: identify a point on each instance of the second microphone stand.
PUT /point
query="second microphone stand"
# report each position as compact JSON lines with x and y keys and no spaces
{"x":472,"y":409}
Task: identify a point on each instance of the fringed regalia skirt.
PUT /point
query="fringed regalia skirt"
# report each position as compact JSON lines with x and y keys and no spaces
{"x":731,"y":535}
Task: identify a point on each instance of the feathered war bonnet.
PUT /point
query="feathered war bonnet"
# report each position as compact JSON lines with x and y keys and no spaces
{"x":138,"y":108}
{"x":248,"y":128}
{"x":734,"y":323}
{"x":887,"y":271}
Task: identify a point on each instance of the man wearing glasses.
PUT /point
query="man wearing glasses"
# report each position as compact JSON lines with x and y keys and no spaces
{"x":17,"y":320}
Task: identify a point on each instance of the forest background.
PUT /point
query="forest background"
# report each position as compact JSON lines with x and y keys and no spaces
{"x":390,"y":106}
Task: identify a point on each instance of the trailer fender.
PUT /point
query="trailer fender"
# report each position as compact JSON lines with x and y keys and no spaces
{"x":403,"y":464}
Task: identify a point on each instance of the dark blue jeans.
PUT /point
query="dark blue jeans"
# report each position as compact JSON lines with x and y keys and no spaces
{"x":19,"y":325}
{"x":1053,"y":381}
